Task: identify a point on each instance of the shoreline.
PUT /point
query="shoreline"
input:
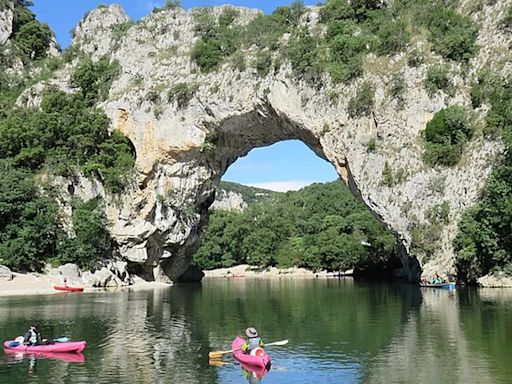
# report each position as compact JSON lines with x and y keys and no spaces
{"x":30,"y":284}
{"x":245,"y":270}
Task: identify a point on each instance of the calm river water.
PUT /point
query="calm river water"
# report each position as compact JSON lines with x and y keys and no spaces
{"x":340,"y":331}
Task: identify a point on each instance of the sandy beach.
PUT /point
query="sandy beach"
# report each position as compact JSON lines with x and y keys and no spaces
{"x":28,"y":284}
{"x":40,"y":284}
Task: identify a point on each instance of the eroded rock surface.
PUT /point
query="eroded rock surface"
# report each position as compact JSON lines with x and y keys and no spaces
{"x":183,"y":151}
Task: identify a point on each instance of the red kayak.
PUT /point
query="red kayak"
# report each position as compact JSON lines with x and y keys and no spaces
{"x":69,"y":346}
{"x":257,"y":358}
{"x":68,"y":289}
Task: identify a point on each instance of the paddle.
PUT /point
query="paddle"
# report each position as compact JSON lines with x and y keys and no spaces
{"x":214,"y":354}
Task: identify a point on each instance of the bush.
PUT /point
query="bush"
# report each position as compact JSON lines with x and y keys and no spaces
{"x":415,"y":58}
{"x":95,"y":79}
{"x":172,"y":4}
{"x":438,"y":78}
{"x":263,"y":63}
{"x":387,"y":175}
{"x":362,"y":103}
{"x":181,"y":94}
{"x":397,"y":88}
{"x":91,"y":241}
{"x":303,"y":55}
{"x":453,"y":35}
{"x":319,"y":227}
{"x":33,"y":40}
{"x":446,"y":135}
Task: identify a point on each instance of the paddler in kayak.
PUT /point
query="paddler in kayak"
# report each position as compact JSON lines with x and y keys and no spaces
{"x":253,"y":340}
{"x":32,"y":337}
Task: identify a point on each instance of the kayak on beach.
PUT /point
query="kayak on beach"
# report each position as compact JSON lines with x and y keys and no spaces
{"x":68,"y":289}
{"x":257,"y":358}
{"x":69,"y":346}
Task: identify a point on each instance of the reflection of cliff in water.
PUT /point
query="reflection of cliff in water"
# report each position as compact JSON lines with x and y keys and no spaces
{"x":146,"y":336}
{"x":432,"y":347}
{"x":155,"y":339}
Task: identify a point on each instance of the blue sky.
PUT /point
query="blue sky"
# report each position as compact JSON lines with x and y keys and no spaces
{"x":282,"y":166}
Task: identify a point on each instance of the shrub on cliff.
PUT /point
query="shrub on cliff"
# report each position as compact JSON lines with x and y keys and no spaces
{"x":362,"y":103}
{"x":438,"y":78}
{"x":33,"y":40}
{"x":94,"y":79}
{"x":91,"y":240}
{"x":446,"y":135}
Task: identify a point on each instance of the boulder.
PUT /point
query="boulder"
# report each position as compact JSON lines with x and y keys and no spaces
{"x":72,"y":273}
{"x":5,"y":273}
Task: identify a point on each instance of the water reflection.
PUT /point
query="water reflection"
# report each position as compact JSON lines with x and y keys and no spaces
{"x":431,"y":347}
{"x":339,"y":331}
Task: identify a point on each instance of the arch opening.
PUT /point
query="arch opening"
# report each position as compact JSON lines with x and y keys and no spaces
{"x":241,"y":134}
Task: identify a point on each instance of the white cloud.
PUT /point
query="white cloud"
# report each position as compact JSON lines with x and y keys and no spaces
{"x":282,"y":186}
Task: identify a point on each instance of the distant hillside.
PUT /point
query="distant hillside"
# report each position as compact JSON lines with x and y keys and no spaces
{"x":321,"y":226}
{"x":237,"y":196}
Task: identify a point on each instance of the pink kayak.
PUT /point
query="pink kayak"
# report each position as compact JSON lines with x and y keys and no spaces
{"x":260,"y":359}
{"x":69,"y":346}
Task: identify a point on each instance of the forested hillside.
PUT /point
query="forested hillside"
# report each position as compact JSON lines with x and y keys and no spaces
{"x":66,"y":136}
{"x":322,"y":226}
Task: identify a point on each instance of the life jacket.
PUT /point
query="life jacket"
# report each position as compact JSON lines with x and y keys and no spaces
{"x":33,"y":337}
{"x":253,"y":343}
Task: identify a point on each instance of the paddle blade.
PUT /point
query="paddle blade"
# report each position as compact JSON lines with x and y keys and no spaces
{"x":217,"y":363}
{"x":282,"y":342}
{"x":217,"y":354}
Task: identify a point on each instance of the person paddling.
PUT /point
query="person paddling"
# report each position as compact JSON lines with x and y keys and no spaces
{"x":32,"y":337}
{"x":253,"y":340}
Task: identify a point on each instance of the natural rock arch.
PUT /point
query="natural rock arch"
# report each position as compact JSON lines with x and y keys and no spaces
{"x":184,"y":148}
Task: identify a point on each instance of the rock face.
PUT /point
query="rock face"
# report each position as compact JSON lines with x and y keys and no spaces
{"x":183,"y":151}
{"x":6,"y":17}
{"x":229,"y":200}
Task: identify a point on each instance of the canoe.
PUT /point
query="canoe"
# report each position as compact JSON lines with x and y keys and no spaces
{"x":70,"y":346}
{"x":69,"y":357}
{"x":450,"y":286}
{"x":261,"y":359}
{"x":68,"y":289}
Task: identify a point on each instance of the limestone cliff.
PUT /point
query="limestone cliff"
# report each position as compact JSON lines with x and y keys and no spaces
{"x":183,"y":149}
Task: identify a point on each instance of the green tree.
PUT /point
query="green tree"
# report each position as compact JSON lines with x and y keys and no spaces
{"x":29,"y":223}
{"x":33,"y":40}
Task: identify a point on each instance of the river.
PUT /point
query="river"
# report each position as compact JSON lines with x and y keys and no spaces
{"x":339,"y":331}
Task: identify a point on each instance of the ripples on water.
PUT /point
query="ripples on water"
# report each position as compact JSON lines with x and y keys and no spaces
{"x":339,"y":332}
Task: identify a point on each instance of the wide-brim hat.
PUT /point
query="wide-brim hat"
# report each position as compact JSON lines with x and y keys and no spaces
{"x":251,"y":332}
